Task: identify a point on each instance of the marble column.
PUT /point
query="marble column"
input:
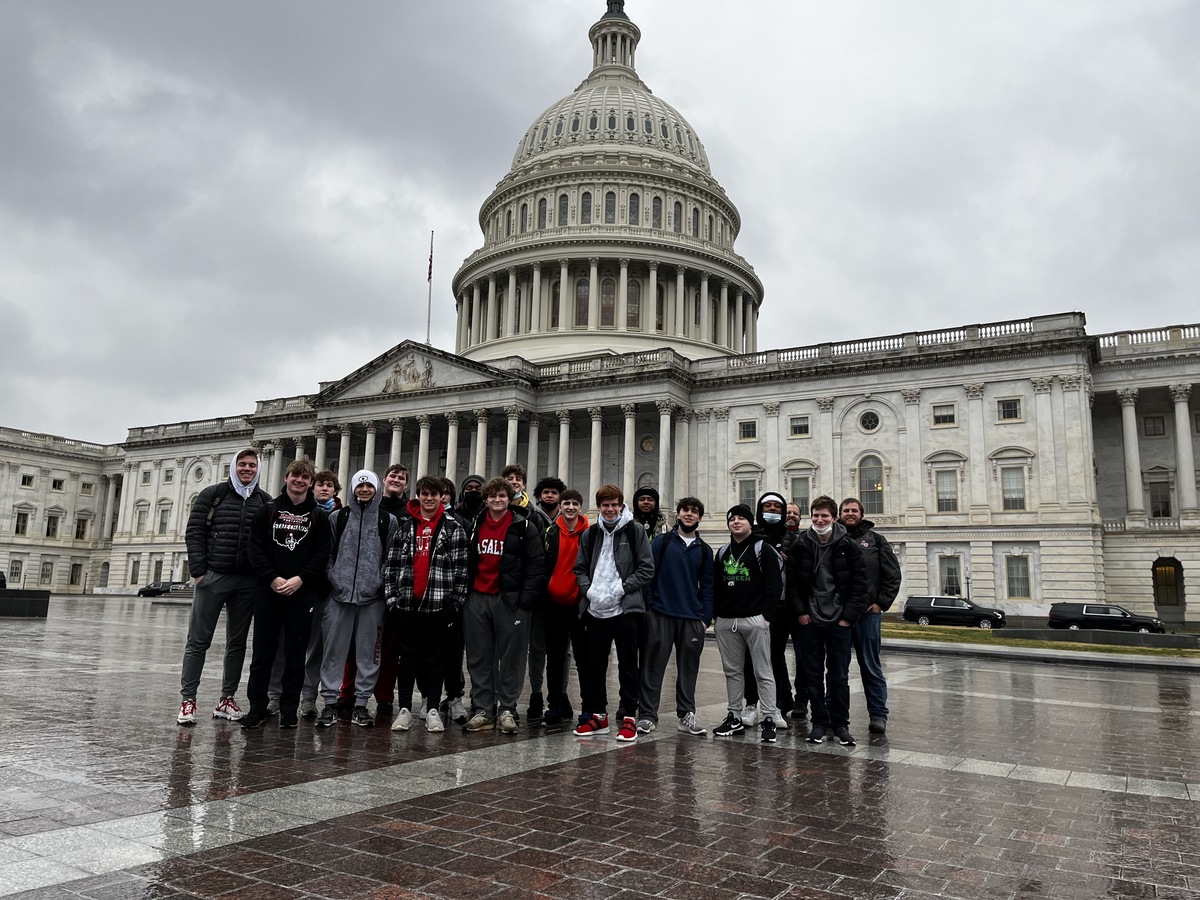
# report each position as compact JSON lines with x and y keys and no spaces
{"x":452,"y":447}
{"x":912,"y":455}
{"x":739,"y":323}
{"x":977,"y":474}
{"x":343,"y":472}
{"x":1047,"y":466}
{"x":597,"y":414}
{"x":460,"y":310}
{"x":593,"y":322}
{"x":267,"y":469}
{"x":723,"y":315}
{"x":629,"y":472}
{"x":650,"y":304}
{"x":683,"y":466}
{"x":476,"y":315}
{"x":1185,"y":460}
{"x":397,"y":447}
{"x":110,"y":500}
{"x":681,"y":317}
{"x":481,"y":430}
{"x":752,"y":328}
{"x":566,"y":296}
{"x":510,"y":441}
{"x":322,"y":450}
{"x":564,"y":444}
{"x":531,"y":465}
{"x":369,"y":452}
{"x":514,"y":321}
{"x":423,"y":448}
{"x":623,"y":296}
{"x":538,"y":312}
{"x":493,"y":312}
{"x":665,"y":408}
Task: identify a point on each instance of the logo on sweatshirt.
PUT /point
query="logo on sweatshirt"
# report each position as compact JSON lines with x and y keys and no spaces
{"x":290,"y":529}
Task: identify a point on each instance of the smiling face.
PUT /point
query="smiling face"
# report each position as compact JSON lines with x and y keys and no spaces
{"x":515,"y":481}
{"x":610,"y":510}
{"x":689,"y":517}
{"x":739,"y":527}
{"x":364,"y":492}
{"x":821,"y":517}
{"x":395,"y":483}
{"x":646,"y":503}
{"x":497,"y":504}
{"x":246,"y":468}
{"x":793,"y":515}
{"x":851,"y":514}
{"x":569,"y":510}
{"x":430,"y":502}
{"x":297,"y":484}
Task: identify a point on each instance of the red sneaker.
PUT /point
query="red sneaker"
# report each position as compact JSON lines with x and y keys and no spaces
{"x":589,"y":725}
{"x":228,"y":709}
{"x":628,"y":732}
{"x":187,"y":713}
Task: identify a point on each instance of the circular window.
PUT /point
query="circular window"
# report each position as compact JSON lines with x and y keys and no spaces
{"x":198,"y":473}
{"x":869,"y":421}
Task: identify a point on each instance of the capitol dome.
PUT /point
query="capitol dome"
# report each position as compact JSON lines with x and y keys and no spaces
{"x":609,"y":233}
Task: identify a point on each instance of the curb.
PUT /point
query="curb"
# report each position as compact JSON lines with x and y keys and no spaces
{"x":1054,"y":657}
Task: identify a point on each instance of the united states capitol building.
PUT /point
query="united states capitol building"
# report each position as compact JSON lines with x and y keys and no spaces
{"x":607,"y":330}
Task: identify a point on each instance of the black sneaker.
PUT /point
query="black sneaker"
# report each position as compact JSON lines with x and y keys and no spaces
{"x":537,"y":707}
{"x":552,"y":720}
{"x":878,"y":725}
{"x":288,"y":719}
{"x":817,"y":735}
{"x":361,"y":717}
{"x":254,"y":718}
{"x":844,"y":737}
{"x":328,"y":716}
{"x":731,"y":726}
{"x":768,"y":731}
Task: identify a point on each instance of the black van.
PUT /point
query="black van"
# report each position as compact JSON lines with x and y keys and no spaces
{"x":951,"y":611}
{"x":1106,"y":616}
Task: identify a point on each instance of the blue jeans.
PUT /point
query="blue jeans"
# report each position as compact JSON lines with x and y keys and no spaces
{"x":865,"y":634}
{"x":826,"y":658}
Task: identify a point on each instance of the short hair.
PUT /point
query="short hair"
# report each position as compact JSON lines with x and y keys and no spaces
{"x":825,"y":503}
{"x":550,"y":481}
{"x":396,"y":467}
{"x":301,"y":467}
{"x":609,"y":492}
{"x":447,"y":486}
{"x":327,"y":475}
{"x":430,"y":483}
{"x":689,"y":501}
{"x":571,"y":494}
{"x":853,"y":500}
{"x":249,"y":451}
{"x":495,"y":486}
{"x":513,"y":469}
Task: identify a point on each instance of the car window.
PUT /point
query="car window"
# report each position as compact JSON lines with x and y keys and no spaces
{"x":961,"y":604}
{"x":941,"y":604}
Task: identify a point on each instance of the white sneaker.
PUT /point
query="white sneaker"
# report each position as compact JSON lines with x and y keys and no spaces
{"x":645,"y":726}
{"x":458,"y":712}
{"x":780,"y":722}
{"x":403,"y":721}
{"x":433,"y":722}
{"x":228,"y":709}
{"x":750,"y":716}
{"x":689,"y":725}
{"x":507,"y":723}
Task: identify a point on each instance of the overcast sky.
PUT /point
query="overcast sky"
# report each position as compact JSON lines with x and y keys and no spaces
{"x":207,"y":204}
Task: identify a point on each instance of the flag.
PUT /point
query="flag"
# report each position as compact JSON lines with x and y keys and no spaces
{"x":429,"y":278}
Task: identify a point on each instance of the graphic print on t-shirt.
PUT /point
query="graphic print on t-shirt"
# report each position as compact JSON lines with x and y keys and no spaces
{"x":290,"y":528}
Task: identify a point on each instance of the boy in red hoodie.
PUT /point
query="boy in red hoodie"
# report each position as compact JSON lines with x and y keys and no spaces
{"x":563,"y":626}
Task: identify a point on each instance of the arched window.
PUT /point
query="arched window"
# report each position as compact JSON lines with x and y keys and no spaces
{"x":713,"y":312}
{"x":581,"y":303}
{"x":633,"y":314}
{"x":656,"y":213}
{"x":555,"y":303}
{"x":517,"y":312}
{"x":612,"y":121}
{"x":562,"y":210}
{"x":575,"y":124}
{"x":524,"y":217}
{"x":593,"y":123}
{"x":870,"y":485}
{"x":500,"y":317}
{"x":508,"y":224}
{"x":585,"y":208}
{"x":542,"y":213}
{"x":710,"y":234}
{"x":695,"y":223}
{"x":558,"y":128}
{"x":608,"y":303}
{"x":647,"y":125}
{"x":678,"y":223}
{"x":635,"y":209}
{"x":630,"y":123}
{"x":610,"y":208}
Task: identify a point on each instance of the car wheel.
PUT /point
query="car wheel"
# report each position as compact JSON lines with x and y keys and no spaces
{"x":1143,"y":630}
{"x":985,"y":623}
{"x":922,"y":620}
{"x":1073,"y":627}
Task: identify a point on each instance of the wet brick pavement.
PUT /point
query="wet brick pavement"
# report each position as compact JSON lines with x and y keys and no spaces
{"x":997,"y":779}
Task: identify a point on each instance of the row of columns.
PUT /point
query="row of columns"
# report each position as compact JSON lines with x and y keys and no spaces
{"x":1185,"y":462}
{"x":736,"y":325}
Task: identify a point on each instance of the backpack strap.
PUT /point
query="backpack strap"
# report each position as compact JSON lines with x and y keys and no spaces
{"x":222,"y":493}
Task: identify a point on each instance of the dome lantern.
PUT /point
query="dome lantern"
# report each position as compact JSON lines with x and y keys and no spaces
{"x":614,"y":39}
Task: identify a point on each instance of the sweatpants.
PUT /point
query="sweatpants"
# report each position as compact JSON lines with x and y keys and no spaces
{"x":342,"y":623}
{"x":235,"y":593}
{"x":422,"y":641}
{"x":564,"y":631}
{"x":497,"y":640}
{"x":601,"y":634}
{"x":315,"y":652}
{"x":785,"y":626}
{"x":660,"y":634}
{"x":737,"y":638}
{"x":279,"y":618}
{"x":827,"y":661}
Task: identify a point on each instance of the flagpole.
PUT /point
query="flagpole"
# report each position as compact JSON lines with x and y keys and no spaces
{"x":429,"y":304}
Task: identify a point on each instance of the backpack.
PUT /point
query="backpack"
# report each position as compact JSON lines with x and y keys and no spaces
{"x":222,"y":493}
{"x":339,"y":525}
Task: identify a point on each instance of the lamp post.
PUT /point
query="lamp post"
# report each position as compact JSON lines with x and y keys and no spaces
{"x":968,"y":580}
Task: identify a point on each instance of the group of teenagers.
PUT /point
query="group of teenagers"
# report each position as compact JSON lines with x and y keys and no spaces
{"x":386,"y":595}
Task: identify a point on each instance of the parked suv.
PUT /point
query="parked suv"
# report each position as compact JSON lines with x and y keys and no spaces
{"x":1107,"y":616}
{"x":158,"y":588}
{"x":951,"y":611}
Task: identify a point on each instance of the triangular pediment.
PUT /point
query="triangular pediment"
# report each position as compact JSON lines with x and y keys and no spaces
{"x":408,"y":368}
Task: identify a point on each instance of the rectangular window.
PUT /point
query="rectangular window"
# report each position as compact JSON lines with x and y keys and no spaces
{"x":164,"y":520}
{"x":1012,"y":486}
{"x":748,"y":431}
{"x":158,"y":563}
{"x":168,"y":476}
{"x":1160,"y":500}
{"x":21,"y":526}
{"x":47,"y":574}
{"x":58,"y":484}
{"x":141,"y":521}
{"x":51,"y":526}
{"x":26,"y":481}
{"x":76,"y":573}
{"x":81,"y":529}
{"x":135,"y":571}
{"x":1017,"y":575}
{"x":944,"y":414}
{"x":798,"y":426}
{"x":950,"y":576}
{"x":947,"y":491}
{"x":748,"y":491}
{"x":1008,"y":410}
{"x":87,"y":488}
{"x":1154,"y":426}
{"x":802,"y":493}
{"x":146,"y":477}
{"x":16,"y":568}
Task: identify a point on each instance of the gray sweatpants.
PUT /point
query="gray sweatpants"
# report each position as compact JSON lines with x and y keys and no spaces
{"x":735,"y":639}
{"x":314,"y":655}
{"x":341,"y":622}
{"x":497,"y":640}
{"x":216,"y":590}
{"x":661,"y":634}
